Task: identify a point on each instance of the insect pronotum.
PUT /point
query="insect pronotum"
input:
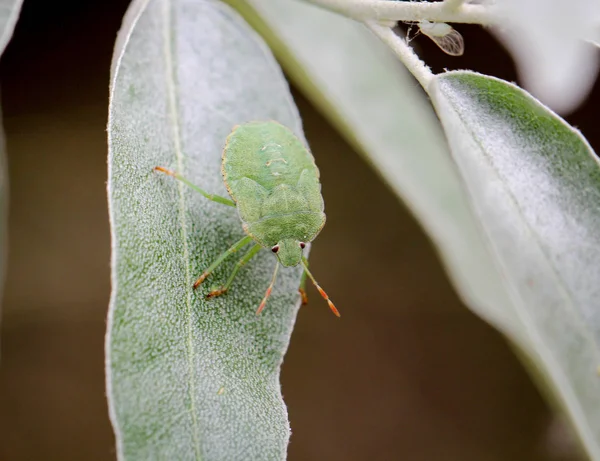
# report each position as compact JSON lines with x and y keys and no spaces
{"x":444,"y":36}
{"x":274,"y":183}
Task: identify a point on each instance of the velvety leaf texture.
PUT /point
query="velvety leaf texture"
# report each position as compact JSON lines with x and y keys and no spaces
{"x":370,"y":97}
{"x":535,"y":184}
{"x":189,"y":378}
{"x":513,"y":238}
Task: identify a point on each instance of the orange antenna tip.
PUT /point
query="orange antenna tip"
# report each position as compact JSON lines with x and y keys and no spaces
{"x":333,"y":309}
{"x":321,"y":291}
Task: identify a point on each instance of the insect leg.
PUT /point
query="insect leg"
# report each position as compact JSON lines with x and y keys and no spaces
{"x":268,"y":292}
{"x":321,"y":291}
{"x":247,"y":257}
{"x":302,"y":288}
{"x":235,"y":247}
{"x":213,"y":197}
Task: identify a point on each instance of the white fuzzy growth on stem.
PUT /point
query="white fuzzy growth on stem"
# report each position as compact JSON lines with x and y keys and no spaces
{"x":404,"y":52}
{"x":381,"y":10}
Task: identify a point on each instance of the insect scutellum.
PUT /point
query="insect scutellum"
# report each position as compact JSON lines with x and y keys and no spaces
{"x":274,"y":183}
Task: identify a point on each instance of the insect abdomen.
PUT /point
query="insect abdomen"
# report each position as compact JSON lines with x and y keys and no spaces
{"x":266,"y":152}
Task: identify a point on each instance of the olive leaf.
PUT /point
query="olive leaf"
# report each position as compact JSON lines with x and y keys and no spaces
{"x":190,"y":378}
{"x":373,"y":101}
{"x":530,"y":275}
{"x":534,"y":183}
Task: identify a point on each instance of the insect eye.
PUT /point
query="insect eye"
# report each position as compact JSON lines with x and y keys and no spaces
{"x":275,"y":249}
{"x":302,"y":245}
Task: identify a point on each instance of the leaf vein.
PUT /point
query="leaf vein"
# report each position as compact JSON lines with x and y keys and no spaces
{"x":174,"y":118}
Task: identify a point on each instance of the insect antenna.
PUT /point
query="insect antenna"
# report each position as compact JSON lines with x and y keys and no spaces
{"x":263,"y":303}
{"x":331,"y":306}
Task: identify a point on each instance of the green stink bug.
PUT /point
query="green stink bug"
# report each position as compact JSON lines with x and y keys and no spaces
{"x":274,"y":184}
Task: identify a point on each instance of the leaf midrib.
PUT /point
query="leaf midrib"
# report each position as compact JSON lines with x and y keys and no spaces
{"x":174,"y":118}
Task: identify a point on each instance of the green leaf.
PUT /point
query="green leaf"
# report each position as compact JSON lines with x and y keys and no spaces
{"x":373,"y":101}
{"x":363,"y":90}
{"x":534,"y":183}
{"x":189,"y":378}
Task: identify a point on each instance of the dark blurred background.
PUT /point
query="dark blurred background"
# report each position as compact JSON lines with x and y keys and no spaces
{"x":407,"y":374}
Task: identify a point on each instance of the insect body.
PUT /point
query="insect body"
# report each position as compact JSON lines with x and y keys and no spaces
{"x":444,"y":36}
{"x":274,"y":184}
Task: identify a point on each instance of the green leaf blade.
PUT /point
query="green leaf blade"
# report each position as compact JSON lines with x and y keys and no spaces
{"x":535,"y":184}
{"x":189,"y":378}
{"x":379,"y":108}
{"x":362,"y":91}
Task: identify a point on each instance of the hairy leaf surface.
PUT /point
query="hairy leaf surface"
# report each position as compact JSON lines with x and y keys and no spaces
{"x":189,"y":378}
{"x":368,"y":95}
{"x":534,"y":183}
{"x":535,"y":285}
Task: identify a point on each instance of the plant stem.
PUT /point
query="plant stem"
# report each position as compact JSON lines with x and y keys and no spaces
{"x":404,"y":52}
{"x":452,"y":5}
{"x":382,"y":10}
